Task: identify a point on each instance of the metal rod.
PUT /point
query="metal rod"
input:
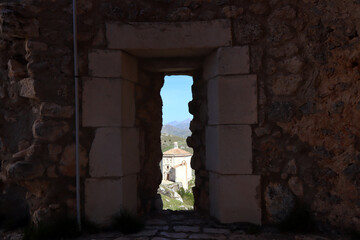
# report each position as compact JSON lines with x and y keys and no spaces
{"x":76,"y":82}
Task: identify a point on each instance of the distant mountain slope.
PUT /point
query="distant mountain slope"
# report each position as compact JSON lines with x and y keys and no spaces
{"x":184,"y":133}
{"x":178,"y":128}
{"x":181,"y":124}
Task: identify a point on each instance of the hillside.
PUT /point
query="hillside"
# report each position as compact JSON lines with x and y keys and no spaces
{"x":167,"y":142}
{"x":180,"y":132}
{"x":184,"y":124}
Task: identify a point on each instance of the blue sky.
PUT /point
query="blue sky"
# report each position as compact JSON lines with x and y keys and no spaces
{"x":175,"y":94}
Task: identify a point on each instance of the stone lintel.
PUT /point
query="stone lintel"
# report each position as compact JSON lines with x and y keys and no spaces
{"x":169,"y":39}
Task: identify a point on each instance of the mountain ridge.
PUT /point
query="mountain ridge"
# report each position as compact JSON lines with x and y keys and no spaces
{"x":177,"y":128}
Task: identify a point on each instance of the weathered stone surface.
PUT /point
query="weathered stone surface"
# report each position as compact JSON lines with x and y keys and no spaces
{"x":174,"y":39}
{"x":54,"y":150}
{"x":216,"y":230}
{"x":23,"y":144}
{"x":14,"y":208}
{"x":106,"y":197}
{"x":321,"y":113}
{"x":235,"y":198}
{"x":286,"y":12}
{"x":279,"y":202}
{"x":51,"y":172}
{"x":187,"y":229}
{"x":180,"y":14}
{"x":25,"y":170}
{"x":18,"y":27}
{"x":25,"y":152}
{"x":37,"y":67}
{"x":232,"y":100}
{"x":293,"y":65}
{"x":258,"y":8}
{"x":50,"y":130}
{"x":173,"y":235}
{"x":99,"y":39}
{"x":296,"y":186}
{"x":291,"y":167}
{"x":262,"y":131}
{"x":256,"y":60}
{"x":207,"y":236}
{"x":286,"y":84}
{"x":67,"y":165}
{"x":2,"y":92}
{"x":229,"y":149}
{"x":114,"y":152}
{"x":112,"y":64}
{"x":247,"y":30}
{"x":232,"y":11}
{"x":108,"y":103}
{"x":28,"y":88}
{"x":287,"y":50}
{"x":56,"y":111}
{"x":144,"y":233}
{"x":227,"y":61}
{"x":16,"y":69}
{"x":281,"y":111}
{"x":279,"y":32}
{"x":38,"y":188}
{"x":35,"y":47}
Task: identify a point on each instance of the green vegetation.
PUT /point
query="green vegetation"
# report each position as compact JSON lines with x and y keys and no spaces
{"x":127,"y":222}
{"x":173,"y":204}
{"x":187,"y":196}
{"x":167,"y":142}
{"x":183,"y":131}
{"x":58,"y":228}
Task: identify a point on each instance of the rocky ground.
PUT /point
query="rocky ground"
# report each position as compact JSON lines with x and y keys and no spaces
{"x":191,"y":225}
{"x":172,"y":200}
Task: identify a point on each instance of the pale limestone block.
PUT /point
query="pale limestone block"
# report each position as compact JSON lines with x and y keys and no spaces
{"x":232,"y":100}
{"x":227,"y":61}
{"x":112,"y":64}
{"x":169,"y":39}
{"x":229,"y":149}
{"x":28,"y":88}
{"x":114,"y":152}
{"x":235,"y":198}
{"x":106,"y":197}
{"x":108,"y":103}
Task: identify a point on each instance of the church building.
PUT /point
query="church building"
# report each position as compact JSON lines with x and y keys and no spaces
{"x":175,"y":166}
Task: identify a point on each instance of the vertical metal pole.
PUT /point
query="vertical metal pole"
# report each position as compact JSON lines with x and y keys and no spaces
{"x":76,"y":80}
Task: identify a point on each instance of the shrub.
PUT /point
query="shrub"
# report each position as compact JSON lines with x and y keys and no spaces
{"x":186,"y":195}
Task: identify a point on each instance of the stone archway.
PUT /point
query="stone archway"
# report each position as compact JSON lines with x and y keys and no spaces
{"x":224,"y":160}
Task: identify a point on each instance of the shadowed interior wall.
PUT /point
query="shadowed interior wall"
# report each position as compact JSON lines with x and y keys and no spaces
{"x":305,"y":54}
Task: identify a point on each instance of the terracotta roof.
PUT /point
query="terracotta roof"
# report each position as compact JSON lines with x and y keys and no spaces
{"x":177,"y":151}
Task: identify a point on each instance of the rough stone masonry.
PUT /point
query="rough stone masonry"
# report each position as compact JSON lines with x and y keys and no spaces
{"x":301,"y":145}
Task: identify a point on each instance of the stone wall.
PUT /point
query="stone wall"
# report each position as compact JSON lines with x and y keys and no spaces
{"x":305,"y":54}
